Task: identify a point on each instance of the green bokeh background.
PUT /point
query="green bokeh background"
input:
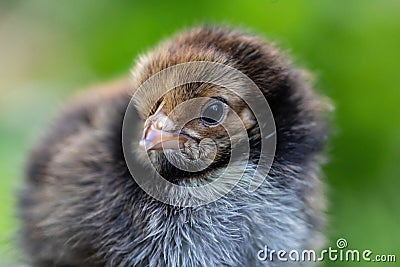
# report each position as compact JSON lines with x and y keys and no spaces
{"x":51,"y":49}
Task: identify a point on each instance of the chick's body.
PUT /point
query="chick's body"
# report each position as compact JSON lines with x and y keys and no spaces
{"x":81,"y":207}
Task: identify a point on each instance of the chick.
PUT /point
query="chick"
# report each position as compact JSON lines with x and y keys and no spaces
{"x":82,"y":207}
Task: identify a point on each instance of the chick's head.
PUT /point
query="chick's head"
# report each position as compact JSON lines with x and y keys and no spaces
{"x":190,"y":131}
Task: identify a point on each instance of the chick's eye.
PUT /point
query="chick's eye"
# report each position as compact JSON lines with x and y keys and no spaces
{"x":213,"y":114}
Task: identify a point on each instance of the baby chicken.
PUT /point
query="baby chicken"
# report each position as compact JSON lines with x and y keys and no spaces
{"x":93,"y":194}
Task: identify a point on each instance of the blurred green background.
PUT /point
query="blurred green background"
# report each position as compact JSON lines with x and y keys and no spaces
{"x":51,"y":49}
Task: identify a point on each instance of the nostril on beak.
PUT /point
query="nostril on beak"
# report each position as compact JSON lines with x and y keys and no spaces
{"x":161,"y":122}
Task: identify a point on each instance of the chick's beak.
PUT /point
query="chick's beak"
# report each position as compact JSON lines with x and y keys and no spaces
{"x":156,"y":137}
